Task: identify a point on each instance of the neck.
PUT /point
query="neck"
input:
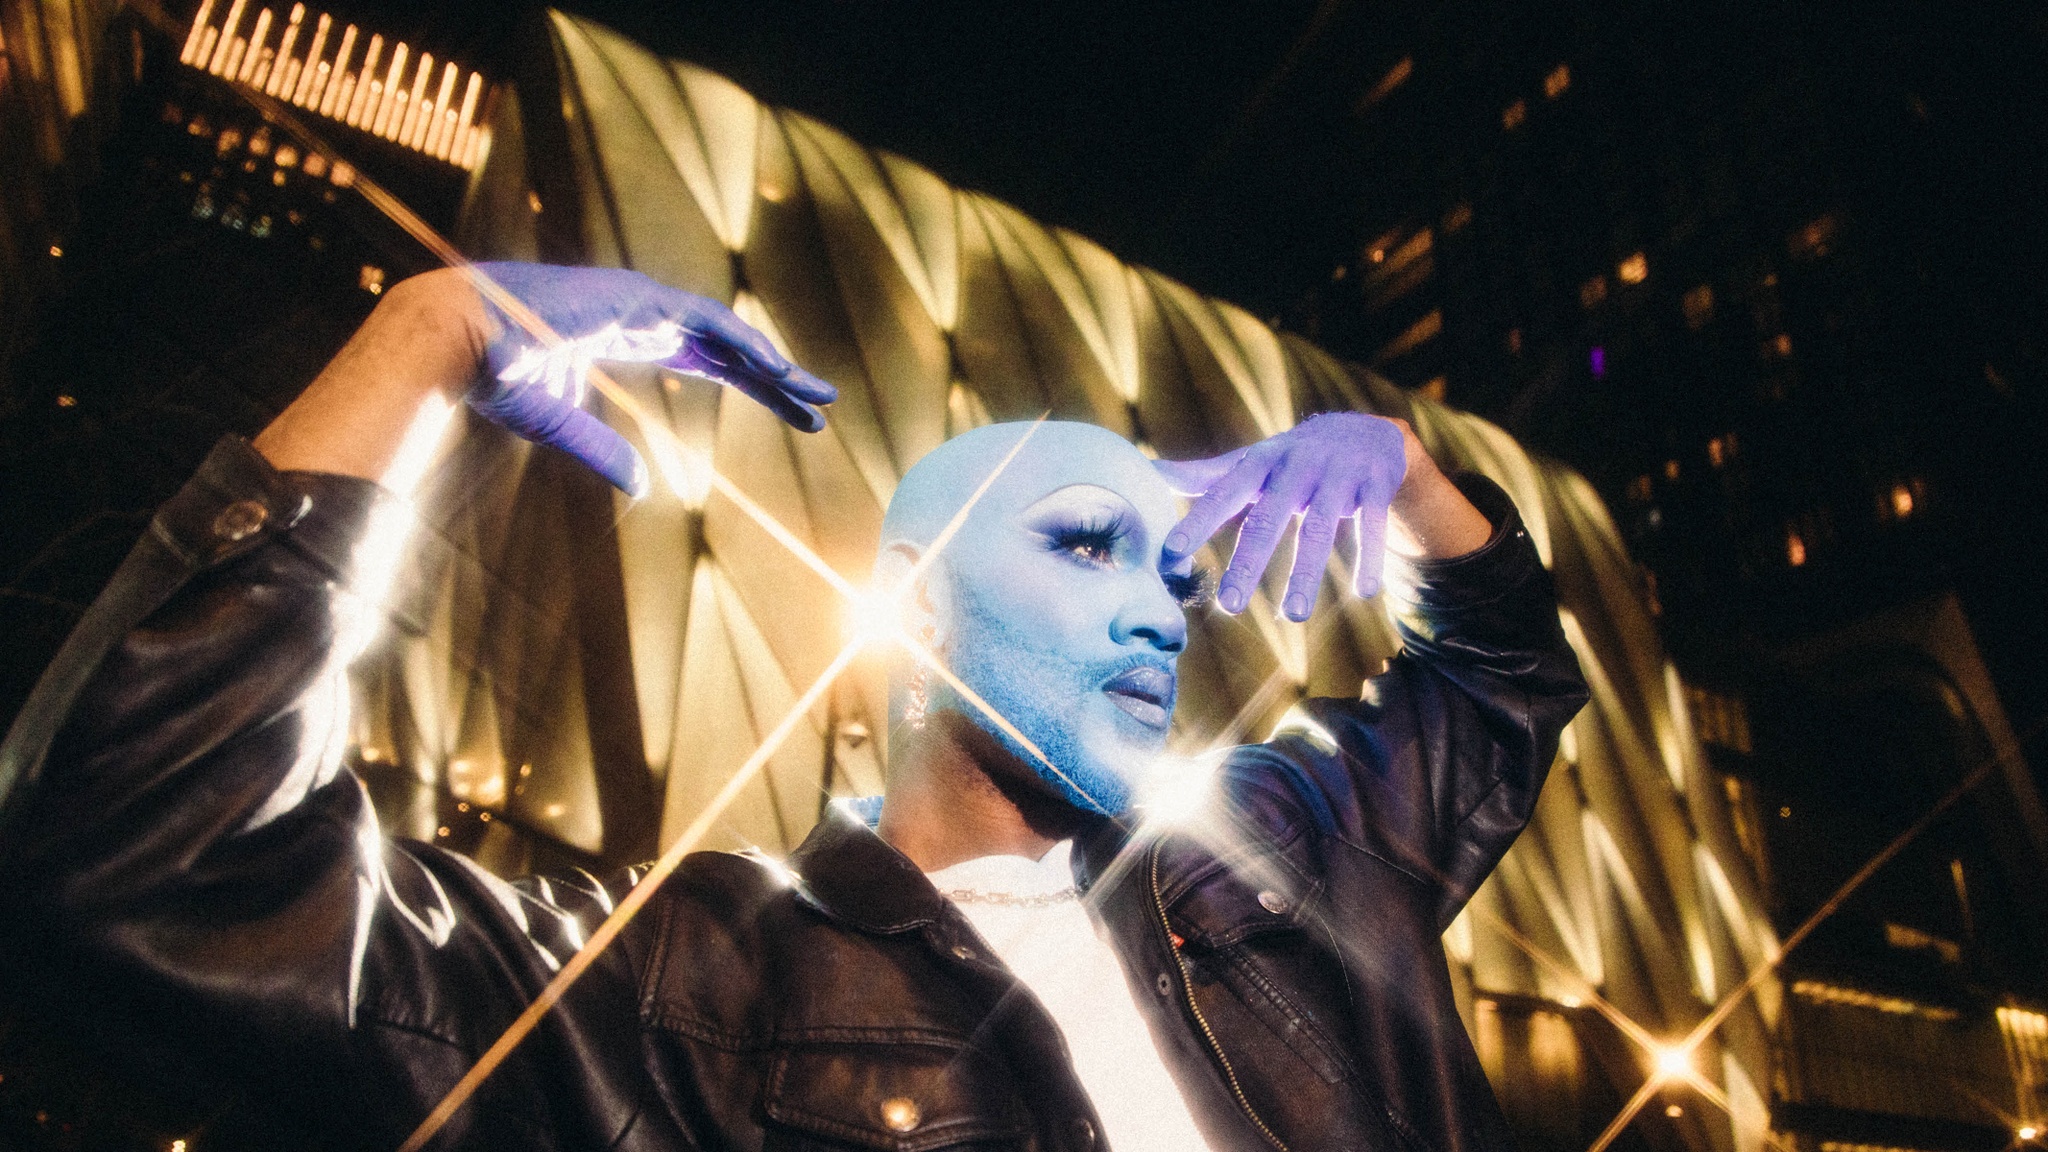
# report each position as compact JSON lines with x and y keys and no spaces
{"x":943,"y":805}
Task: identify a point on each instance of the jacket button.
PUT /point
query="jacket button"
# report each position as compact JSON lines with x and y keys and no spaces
{"x":962,"y":952}
{"x":1084,"y":1132}
{"x":1273,"y":902}
{"x":240,"y":520}
{"x":1164,"y":984}
{"x":901,"y":1114}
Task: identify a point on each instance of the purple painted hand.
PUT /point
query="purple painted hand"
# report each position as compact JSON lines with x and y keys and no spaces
{"x":1328,"y":469}
{"x":616,"y":314}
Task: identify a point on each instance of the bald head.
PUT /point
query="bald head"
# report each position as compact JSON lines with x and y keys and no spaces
{"x":1057,"y":454}
{"x":1049,"y":602}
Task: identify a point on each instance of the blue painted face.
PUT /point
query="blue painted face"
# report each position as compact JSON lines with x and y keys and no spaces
{"x":1054,"y":609}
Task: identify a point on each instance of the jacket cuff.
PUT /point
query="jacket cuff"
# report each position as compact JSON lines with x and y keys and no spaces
{"x":238,"y":501}
{"x":1478,"y":577}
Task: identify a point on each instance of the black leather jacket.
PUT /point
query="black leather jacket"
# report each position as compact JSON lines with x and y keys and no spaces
{"x":186,"y":865}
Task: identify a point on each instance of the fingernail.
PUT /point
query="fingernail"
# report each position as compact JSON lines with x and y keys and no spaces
{"x":1232,"y":600}
{"x":1177,"y":543}
{"x":1297,"y":607}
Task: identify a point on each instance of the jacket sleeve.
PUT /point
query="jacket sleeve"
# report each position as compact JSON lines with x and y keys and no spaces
{"x":1436,"y":767}
{"x":183,"y":852}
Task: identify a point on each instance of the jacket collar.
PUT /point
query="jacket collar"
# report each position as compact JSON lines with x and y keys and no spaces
{"x":854,"y":876}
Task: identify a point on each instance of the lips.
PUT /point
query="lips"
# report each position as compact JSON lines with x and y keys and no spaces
{"x":1145,"y":694}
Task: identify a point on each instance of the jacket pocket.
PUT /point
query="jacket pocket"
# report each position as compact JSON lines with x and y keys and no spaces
{"x":898,"y":1097}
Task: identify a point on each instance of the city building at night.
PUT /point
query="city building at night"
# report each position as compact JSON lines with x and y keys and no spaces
{"x":549,"y":699}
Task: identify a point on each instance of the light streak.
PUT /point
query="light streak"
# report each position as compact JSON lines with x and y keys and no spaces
{"x":629,"y":907}
{"x":409,"y":221}
{"x":1673,"y":1063}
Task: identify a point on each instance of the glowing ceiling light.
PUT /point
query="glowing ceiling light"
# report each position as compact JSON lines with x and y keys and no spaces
{"x":2027,"y":1132}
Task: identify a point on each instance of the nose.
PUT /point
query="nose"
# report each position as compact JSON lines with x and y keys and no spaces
{"x":1150,"y":616}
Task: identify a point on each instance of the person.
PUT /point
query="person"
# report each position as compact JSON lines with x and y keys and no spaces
{"x":1050,"y":933}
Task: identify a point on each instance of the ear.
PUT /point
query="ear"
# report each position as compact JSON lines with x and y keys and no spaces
{"x":923,"y":605}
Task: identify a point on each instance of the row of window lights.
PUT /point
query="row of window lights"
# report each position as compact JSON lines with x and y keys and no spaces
{"x":462,"y":783}
{"x":1721,"y":450}
{"x":260,"y":146}
{"x":1554,"y":85}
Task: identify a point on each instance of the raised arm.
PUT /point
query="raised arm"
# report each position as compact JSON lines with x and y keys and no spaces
{"x":180,"y":847}
{"x":1436,"y":766}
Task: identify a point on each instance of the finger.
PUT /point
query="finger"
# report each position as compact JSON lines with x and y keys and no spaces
{"x":1194,"y":477}
{"x":1264,"y":523}
{"x":793,"y":412}
{"x":1217,"y":503}
{"x":709,"y":322}
{"x":809,"y":388}
{"x":1313,"y":542}
{"x":1372,"y":539}
{"x":531,"y":414}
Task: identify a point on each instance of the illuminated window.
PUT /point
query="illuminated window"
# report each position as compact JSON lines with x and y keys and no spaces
{"x":1639,"y":489}
{"x":1633,"y":270}
{"x":1795,"y":548}
{"x":1560,"y":78}
{"x":1395,"y":77}
{"x":426,"y":110}
{"x":1816,"y":992}
{"x":1779,"y":346}
{"x":1698,"y":304}
{"x":1593,"y":292}
{"x":1910,"y":939}
{"x":1511,"y":117}
{"x":1815,"y":240}
{"x":1515,"y":341}
{"x":1721,"y":720}
{"x":1671,"y":470}
{"x":1419,"y":333}
{"x":1901,"y":500}
{"x":371,"y":279}
{"x":1416,"y":247}
{"x":1459,"y":216}
{"x":1596,"y":362}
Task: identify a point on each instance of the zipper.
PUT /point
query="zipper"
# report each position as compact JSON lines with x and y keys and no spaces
{"x":1187,"y":988}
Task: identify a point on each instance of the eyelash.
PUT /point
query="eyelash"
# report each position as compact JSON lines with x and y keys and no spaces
{"x":1094,"y":542}
{"x":1194,"y":589}
{"x":1091,"y":541}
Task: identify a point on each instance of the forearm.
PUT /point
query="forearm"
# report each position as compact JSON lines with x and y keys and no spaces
{"x":1429,"y":518}
{"x":378,"y":407}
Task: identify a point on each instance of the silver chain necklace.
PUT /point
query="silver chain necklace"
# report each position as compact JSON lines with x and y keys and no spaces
{"x":1011,"y":900}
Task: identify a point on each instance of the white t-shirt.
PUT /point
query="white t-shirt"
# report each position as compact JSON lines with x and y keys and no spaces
{"x":1049,"y":942}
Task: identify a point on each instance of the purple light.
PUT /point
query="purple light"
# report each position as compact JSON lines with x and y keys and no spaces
{"x":1598,"y":359}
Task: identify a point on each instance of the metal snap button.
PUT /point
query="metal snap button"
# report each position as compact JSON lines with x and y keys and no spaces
{"x":901,"y":1114}
{"x":1084,"y":1132}
{"x":1164,"y":984}
{"x":963,"y":952}
{"x":1273,"y":902}
{"x":240,"y":520}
